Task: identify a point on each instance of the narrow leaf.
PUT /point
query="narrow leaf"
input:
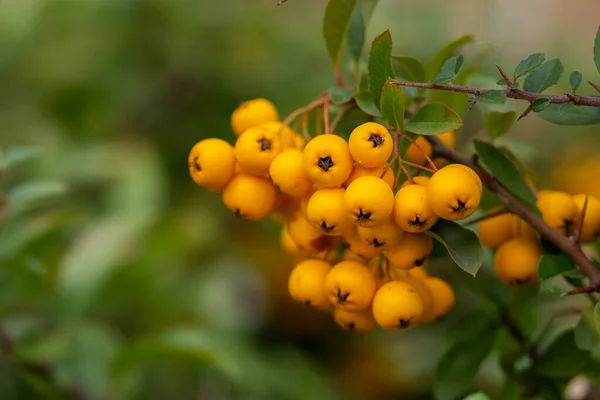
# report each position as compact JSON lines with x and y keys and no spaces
{"x":338,"y":14}
{"x":586,"y":337}
{"x":571,"y":114}
{"x":367,"y":7}
{"x":540,"y":104}
{"x":529,"y":64}
{"x":449,"y":70}
{"x":380,"y":65}
{"x":393,"y":104}
{"x":543,"y":77}
{"x":498,"y":123}
{"x":462,"y":244}
{"x":364,"y":101}
{"x":339,"y":95}
{"x":411,"y":68}
{"x":551,"y":265}
{"x":29,"y":195}
{"x":492,"y":97}
{"x":597,"y":50}
{"x":563,"y":359}
{"x":17,"y":154}
{"x":432,"y":119}
{"x":356,"y":33}
{"x":436,"y":62}
{"x":575,"y":80}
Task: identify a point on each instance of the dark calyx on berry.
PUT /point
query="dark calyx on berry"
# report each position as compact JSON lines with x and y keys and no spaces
{"x":326,"y":228}
{"x":264,"y":144}
{"x":363,"y":216}
{"x":417,"y":222}
{"x":325,"y":163}
{"x":376,"y":139}
{"x":404,"y":323}
{"x":462,"y":207}
{"x":376,"y":243}
{"x":420,"y":262}
{"x":342,"y":297}
{"x":196,"y":165}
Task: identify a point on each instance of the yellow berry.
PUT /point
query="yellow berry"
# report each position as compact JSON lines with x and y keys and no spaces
{"x":306,"y":235}
{"x":411,"y":209}
{"x":286,"y":135}
{"x":369,"y":201}
{"x":443,"y":295}
{"x":418,"y":273}
{"x":250,"y":197}
{"x":284,"y":207}
{"x":397,"y":305}
{"x":516,"y":261}
{"x":355,"y":321}
{"x":211,"y":163}
{"x":370,"y":144}
{"x":325,"y":210}
{"x":412,"y":251}
{"x":350,"y":285}
{"x":559,"y":211}
{"x":288,"y":244}
{"x":327,"y":161}
{"x":255,"y":149}
{"x":419,"y":180}
{"x":307,"y":283}
{"x":453,"y":193}
{"x":299,"y":142}
{"x":591,"y":219}
{"x":427,"y":298}
{"x":252,"y":113}
{"x":416,"y":152}
{"x":496,"y":230}
{"x":384,"y":172}
{"x":287,"y":173}
{"x":470,"y":171}
{"x":361,"y":248}
{"x":383,"y":236}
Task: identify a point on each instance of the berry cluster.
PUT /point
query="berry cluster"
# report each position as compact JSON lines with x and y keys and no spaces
{"x":339,"y":206}
{"x":517,"y":245}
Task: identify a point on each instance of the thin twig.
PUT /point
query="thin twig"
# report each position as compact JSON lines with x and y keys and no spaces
{"x":338,"y":75}
{"x":339,"y":116}
{"x":592,"y":84}
{"x":326,"y":114}
{"x":577,"y":237}
{"x":525,"y":112}
{"x":418,"y":166}
{"x":504,"y":76}
{"x":319,"y":101}
{"x":429,"y":160}
{"x":489,"y":215}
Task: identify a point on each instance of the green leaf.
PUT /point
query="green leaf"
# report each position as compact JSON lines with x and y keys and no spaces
{"x":543,"y":77}
{"x":498,"y":123}
{"x":356,"y":33}
{"x":563,"y":359}
{"x":597,"y":50}
{"x":339,"y":95}
{"x":364,"y":101}
{"x":338,"y":14}
{"x":477,"y":396}
{"x":367,"y":7}
{"x":551,"y":265}
{"x":575,"y":80}
{"x":432,"y":119}
{"x":540,"y":104}
{"x":504,"y":170}
{"x":462,"y":244}
{"x":17,"y":154}
{"x":404,"y":143}
{"x":393,"y":104}
{"x":438,"y":59}
{"x":571,"y":114}
{"x":532,"y":62}
{"x":458,"y":366}
{"x":380,"y":65}
{"x":597,"y":317}
{"x":510,"y":390}
{"x":29,"y":195}
{"x":492,"y":97}
{"x":412,"y":68}
{"x":449,"y":70}
{"x":586,"y":337}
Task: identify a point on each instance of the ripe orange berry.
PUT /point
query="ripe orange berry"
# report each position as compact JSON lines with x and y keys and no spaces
{"x":250,"y":197}
{"x":384,"y":172}
{"x":287,"y":173}
{"x":325,"y":210}
{"x":411,"y":251}
{"x":427,"y":298}
{"x":327,"y":161}
{"x":383,"y":236}
{"x":416,"y":153}
{"x":350,"y":285}
{"x":419,"y":180}
{"x":286,"y":135}
{"x":453,"y":193}
{"x":443,"y":295}
{"x":411,"y":209}
{"x":288,"y":244}
{"x":591,"y":219}
{"x":252,"y":113}
{"x":496,"y":230}
{"x":559,"y":211}
{"x":211,"y":163}
{"x":256,"y":148}
{"x":471,"y":172}
{"x":369,"y":201}
{"x":307,"y":283}
{"x":418,"y":273}
{"x":306,"y":235}
{"x":397,"y":305}
{"x":355,"y":321}
{"x":516,"y":261}
{"x":361,"y":248}
{"x":370,"y":144}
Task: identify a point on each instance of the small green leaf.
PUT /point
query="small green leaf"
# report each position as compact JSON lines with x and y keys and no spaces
{"x":412,"y":68}
{"x":563,"y":359}
{"x":586,"y":337}
{"x":540,"y":104}
{"x":339,"y":95}
{"x":338,"y":14}
{"x":504,"y":170}
{"x":364,"y":101}
{"x":477,"y":396}
{"x":597,"y":317}
{"x":17,"y":154}
{"x":492,"y":97}
{"x":356,"y":33}
{"x":597,"y":50}
{"x":432,"y":119}
{"x":29,"y":195}
{"x":498,"y":123}
{"x":551,"y":265}
{"x":436,"y":62}
{"x":449,"y":70}
{"x":380,"y":65}
{"x":575,"y":80}
{"x":571,"y":114}
{"x":529,"y":64}
{"x":462,"y":244}
{"x":367,"y":7}
{"x":393,"y":104}
{"x":543,"y":77}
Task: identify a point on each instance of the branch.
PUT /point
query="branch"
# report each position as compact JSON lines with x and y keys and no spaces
{"x":511,"y":93}
{"x":570,"y":248}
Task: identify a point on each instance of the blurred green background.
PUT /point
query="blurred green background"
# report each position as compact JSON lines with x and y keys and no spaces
{"x":120,"y":278}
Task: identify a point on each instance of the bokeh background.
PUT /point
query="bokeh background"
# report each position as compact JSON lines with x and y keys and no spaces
{"x":121,"y":278}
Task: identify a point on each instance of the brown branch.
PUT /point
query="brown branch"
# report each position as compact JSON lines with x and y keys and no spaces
{"x":571,"y":249}
{"x":526,"y":112}
{"x":504,"y":76}
{"x":510,"y":93}
{"x":597,"y":87}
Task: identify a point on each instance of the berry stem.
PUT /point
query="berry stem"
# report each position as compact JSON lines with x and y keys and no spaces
{"x":326,"y":114}
{"x":305,"y":132}
{"x":397,"y":156}
{"x":489,"y":215}
{"x":318,"y":102}
{"x":577,"y":236}
{"x":338,"y":75}
{"x":419,"y":166}
{"x":429,"y":160}
{"x":339,"y":116}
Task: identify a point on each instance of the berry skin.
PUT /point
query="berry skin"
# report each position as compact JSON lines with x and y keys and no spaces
{"x":418,"y":273}
{"x":307,"y":283}
{"x":361,"y":248}
{"x":250,"y":197}
{"x":591,"y":219}
{"x":397,"y":305}
{"x":419,"y":180}
{"x":252,"y":113}
{"x":286,"y":135}
{"x":412,"y":251}
{"x":355,"y":321}
{"x":288,"y":244}
{"x":326,"y":212}
{"x":255,"y":149}
{"x":516,"y":261}
{"x":453,"y":193}
{"x":383,"y":236}
{"x":559,"y":211}
{"x":306,"y":235}
{"x":416,"y":153}
{"x":370,"y":144}
{"x":411,"y":209}
{"x":497,"y":230}
{"x":327,"y":161}
{"x":427,"y":298}
{"x":384,"y":172}
{"x":287,"y":173}
{"x":212,"y":163}
{"x":369,"y":201}
{"x":443,"y":295}
{"x":350,"y":285}
{"x":471,"y":172}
